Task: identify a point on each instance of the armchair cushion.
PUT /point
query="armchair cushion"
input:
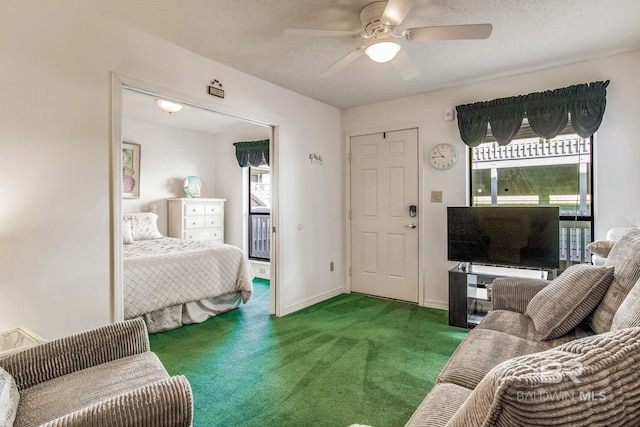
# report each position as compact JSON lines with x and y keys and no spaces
{"x":62,"y":395}
{"x":568,"y":299}
{"x":9,"y":398}
{"x":153,"y":405}
{"x":626,"y":263}
{"x":591,"y":381}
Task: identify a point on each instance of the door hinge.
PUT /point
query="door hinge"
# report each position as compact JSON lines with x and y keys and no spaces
{"x":349,"y":157}
{"x":349,"y":270}
{"x":273,"y":229}
{"x":349,"y":213}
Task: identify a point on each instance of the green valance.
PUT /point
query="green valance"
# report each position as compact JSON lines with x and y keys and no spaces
{"x":547,"y":112}
{"x":252,"y":153}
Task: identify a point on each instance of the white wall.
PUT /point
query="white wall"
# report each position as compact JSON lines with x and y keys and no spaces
{"x":55,"y":267}
{"x":168,"y":155}
{"x":616,"y":154}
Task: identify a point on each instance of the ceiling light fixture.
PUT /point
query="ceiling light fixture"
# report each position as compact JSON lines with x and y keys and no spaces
{"x":383,"y":51}
{"x":168,"y":106}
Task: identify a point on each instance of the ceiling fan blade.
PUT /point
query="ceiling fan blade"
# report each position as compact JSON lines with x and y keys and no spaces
{"x":321,"y":33}
{"x":450,"y":32}
{"x":342,"y":63}
{"x":396,"y":11}
{"x":405,"y":66}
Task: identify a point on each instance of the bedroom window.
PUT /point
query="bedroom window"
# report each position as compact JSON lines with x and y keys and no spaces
{"x":536,"y":171}
{"x":259,"y":212}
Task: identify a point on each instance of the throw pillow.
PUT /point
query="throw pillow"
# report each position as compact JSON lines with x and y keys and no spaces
{"x":127,"y":233}
{"x":601,"y":247}
{"x":626,"y":262}
{"x":144,"y":225}
{"x":9,"y":399}
{"x":590,"y":381}
{"x":628,"y":314}
{"x":568,"y":299}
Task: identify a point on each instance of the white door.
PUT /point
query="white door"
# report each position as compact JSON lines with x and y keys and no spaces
{"x":384,"y":235}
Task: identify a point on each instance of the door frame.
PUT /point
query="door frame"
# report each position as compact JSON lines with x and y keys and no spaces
{"x":421,"y":213}
{"x":120,"y":82}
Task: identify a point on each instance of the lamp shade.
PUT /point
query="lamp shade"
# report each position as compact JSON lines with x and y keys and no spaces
{"x":168,"y":106}
{"x":383,"y":51}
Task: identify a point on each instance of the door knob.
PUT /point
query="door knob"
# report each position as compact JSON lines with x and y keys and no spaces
{"x":412,"y":225}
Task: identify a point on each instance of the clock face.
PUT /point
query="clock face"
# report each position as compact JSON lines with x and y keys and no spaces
{"x":443,"y":156}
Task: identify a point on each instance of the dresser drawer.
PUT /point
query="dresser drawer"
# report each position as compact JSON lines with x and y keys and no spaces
{"x":194,"y":222}
{"x":213,"y":221}
{"x":193,"y":210}
{"x":217,"y":209}
{"x":203,"y":234}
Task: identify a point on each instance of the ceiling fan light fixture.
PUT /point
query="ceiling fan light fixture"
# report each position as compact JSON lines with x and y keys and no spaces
{"x":383,"y":51}
{"x":168,"y":106}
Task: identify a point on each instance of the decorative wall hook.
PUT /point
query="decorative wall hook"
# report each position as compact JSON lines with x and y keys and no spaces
{"x":315,"y":159}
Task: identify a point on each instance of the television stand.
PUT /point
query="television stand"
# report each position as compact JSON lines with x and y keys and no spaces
{"x":469,"y":300}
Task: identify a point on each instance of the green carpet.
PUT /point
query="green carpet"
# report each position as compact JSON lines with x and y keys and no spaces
{"x":350,"y":359}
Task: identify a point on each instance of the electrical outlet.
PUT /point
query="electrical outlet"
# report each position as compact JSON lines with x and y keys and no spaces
{"x":436,"y":196}
{"x":331,"y":266}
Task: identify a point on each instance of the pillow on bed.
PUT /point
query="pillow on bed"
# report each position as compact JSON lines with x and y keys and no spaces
{"x":144,"y":225}
{"x":127,"y":233}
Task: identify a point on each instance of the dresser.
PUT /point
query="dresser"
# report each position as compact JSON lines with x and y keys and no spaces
{"x":197,"y":218}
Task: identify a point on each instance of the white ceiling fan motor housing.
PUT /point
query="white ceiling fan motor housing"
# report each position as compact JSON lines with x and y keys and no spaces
{"x":371,"y":16}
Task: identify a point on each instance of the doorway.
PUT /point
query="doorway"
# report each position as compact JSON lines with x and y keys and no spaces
{"x":384,"y":218}
{"x":228,"y":122}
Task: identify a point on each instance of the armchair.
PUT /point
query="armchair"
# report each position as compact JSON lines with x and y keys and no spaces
{"x":104,"y":377}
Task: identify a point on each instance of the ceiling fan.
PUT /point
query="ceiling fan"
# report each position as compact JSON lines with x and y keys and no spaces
{"x":379,"y":23}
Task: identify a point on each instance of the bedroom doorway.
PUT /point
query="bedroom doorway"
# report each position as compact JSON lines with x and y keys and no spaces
{"x":127,"y":121}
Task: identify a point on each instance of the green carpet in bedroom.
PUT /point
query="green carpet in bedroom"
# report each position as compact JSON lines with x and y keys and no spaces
{"x":350,"y":359}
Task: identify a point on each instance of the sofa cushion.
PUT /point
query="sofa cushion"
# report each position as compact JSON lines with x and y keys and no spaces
{"x":628,"y":315}
{"x":9,"y":398}
{"x":625,"y":259}
{"x":52,"y":399}
{"x":568,"y":299}
{"x":479,"y":352}
{"x":439,"y":406}
{"x":591,"y":381}
{"x":521,"y":326}
{"x":601,"y":247}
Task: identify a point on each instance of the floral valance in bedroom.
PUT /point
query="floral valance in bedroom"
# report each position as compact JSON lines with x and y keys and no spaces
{"x":547,"y":113}
{"x":252,"y":153}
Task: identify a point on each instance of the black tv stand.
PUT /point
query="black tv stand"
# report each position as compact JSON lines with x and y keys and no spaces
{"x":469,"y":299}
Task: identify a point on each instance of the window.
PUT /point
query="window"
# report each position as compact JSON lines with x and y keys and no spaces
{"x":537,"y":171}
{"x":259,"y":212}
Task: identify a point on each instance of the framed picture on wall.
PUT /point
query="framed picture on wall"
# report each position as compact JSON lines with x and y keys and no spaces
{"x":130,"y":170}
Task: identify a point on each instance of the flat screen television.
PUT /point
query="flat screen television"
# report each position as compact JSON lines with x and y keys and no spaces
{"x":505,"y":236}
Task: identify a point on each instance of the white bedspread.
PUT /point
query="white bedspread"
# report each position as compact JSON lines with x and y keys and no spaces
{"x":164,"y":272}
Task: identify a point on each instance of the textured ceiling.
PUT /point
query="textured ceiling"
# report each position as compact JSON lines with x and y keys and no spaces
{"x":250,"y":36}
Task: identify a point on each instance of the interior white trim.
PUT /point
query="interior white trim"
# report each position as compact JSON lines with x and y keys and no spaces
{"x":311,"y":301}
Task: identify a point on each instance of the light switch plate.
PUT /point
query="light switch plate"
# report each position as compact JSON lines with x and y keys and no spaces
{"x":436,"y":196}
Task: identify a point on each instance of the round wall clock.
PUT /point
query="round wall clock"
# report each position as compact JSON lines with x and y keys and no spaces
{"x":443,"y":156}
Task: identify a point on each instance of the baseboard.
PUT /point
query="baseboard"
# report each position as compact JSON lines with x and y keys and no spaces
{"x":311,"y":301}
{"x":440,"y":305}
{"x":261,"y":269}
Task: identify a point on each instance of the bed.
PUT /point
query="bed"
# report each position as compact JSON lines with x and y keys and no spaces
{"x":171,"y":282}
